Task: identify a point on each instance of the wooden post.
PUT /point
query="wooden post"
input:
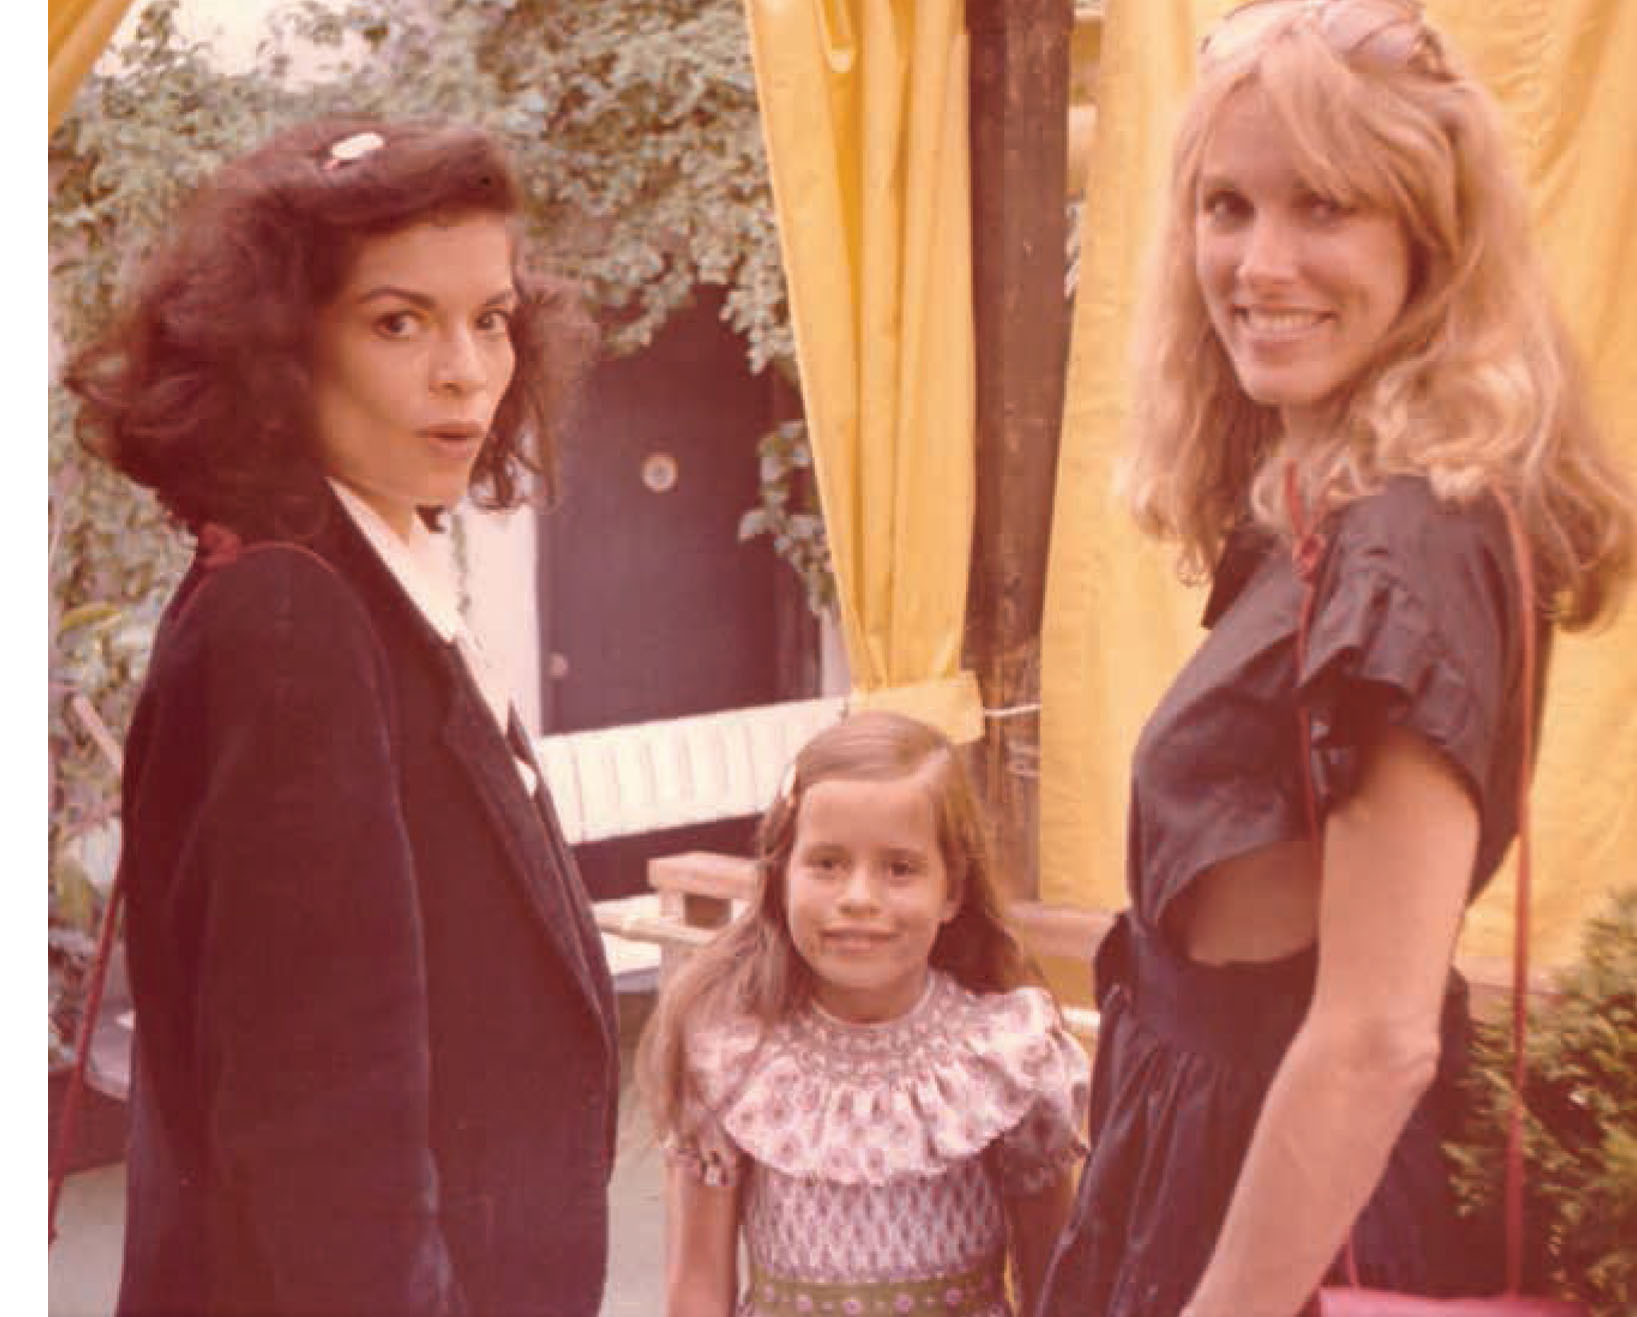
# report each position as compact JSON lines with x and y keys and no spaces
{"x":1019,"y":143}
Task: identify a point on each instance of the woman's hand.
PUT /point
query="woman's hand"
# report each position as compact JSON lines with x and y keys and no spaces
{"x":1398,"y":858}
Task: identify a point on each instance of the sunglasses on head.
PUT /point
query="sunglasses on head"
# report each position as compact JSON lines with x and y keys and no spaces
{"x":1391,"y":33}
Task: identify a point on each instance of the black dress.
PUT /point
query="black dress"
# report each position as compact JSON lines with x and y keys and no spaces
{"x":1416,"y":623}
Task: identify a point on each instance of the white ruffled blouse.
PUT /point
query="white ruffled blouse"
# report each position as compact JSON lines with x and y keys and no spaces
{"x":881,"y":1153}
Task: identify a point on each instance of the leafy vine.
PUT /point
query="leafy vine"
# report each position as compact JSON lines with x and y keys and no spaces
{"x":635,"y":129}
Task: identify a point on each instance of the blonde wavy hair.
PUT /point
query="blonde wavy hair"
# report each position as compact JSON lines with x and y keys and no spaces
{"x":1475,"y":386}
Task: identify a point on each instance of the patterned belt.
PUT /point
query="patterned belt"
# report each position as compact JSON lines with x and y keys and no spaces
{"x":973,"y":1293}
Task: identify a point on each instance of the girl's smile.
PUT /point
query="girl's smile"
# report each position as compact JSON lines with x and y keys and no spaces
{"x":850,"y":939}
{"x":867,"y":890}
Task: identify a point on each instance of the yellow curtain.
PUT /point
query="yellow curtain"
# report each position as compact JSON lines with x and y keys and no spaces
{"x":79,"y":29}
{"x":864,"y":112}
{"x":1117,"y":625}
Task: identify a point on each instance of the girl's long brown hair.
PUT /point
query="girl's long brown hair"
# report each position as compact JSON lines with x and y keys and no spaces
{"x":753,"y":969}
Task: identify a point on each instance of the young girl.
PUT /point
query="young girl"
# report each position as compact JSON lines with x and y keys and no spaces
{"x":854,"y":1073}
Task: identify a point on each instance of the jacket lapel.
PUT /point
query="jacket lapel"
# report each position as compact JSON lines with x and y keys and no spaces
{"x":541,"y":862}
{"x":578,"y":899}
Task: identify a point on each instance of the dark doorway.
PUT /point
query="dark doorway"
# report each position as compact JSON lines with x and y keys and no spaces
{"x":650,"y":606}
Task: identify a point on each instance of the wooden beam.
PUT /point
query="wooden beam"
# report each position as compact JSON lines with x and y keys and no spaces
{"x":1058,"y":931}
{"x":704,"y":873}
{"x":1019,"y":145}
{"x":699,"y":885}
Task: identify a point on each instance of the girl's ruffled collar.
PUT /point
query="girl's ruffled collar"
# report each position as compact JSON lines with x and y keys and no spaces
{"x":871,"y":1035}
{"x":816,"y":1096}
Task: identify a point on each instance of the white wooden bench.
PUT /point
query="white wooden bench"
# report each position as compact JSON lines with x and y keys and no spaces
{"x":644,"y":777}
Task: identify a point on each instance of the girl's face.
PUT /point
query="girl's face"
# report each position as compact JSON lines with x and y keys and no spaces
{"x":412,"y":357}
{"x":1301,"y":289}
{"x":867,"y":891}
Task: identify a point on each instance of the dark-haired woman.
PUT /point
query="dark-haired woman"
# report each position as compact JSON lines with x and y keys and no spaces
{"x":376,"y":1065}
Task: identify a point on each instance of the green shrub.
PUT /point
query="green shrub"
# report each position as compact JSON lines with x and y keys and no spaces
{"x":635,"y":131}
{"x":1580,"y":1129}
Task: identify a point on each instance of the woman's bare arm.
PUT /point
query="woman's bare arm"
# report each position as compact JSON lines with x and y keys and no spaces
{"x":1397,"y":860}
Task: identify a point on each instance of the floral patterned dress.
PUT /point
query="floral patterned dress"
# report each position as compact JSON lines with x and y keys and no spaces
{"x":874,"y":1159}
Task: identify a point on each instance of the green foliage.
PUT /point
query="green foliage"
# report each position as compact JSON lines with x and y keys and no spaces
{"x":789,"y":512}
{"x":635,"y":129}
{"x":1580,"y":1127}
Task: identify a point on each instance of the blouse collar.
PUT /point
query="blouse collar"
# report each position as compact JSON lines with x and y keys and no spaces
{"x":419,"y":568}
{"x":414,"y":563}
{"x":1243,"y":552}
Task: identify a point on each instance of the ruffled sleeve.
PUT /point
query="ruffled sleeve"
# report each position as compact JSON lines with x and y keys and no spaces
{"x":719,"y":1056}
{"x":1415,"y":624}
{"x":1050,"y":1064}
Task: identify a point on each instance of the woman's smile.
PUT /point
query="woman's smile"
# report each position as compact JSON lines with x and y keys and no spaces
{"x":1278,"y":325}
{"x":1302,"y":289}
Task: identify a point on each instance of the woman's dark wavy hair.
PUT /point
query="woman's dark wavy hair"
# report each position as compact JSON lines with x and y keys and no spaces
{"x":201,"y":390}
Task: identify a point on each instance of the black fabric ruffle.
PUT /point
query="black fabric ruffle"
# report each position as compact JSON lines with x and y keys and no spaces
{"x":1378,"y":654}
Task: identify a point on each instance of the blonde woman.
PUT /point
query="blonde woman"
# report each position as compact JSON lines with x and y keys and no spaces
{"x":1348,"y":335}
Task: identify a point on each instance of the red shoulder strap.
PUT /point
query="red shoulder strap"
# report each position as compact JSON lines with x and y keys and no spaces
{"x":1524,"y":568}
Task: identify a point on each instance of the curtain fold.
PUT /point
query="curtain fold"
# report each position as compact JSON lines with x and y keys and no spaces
{"x":864,"y":114}
{"x":79,"y":31}
{"x":1117,"y":625}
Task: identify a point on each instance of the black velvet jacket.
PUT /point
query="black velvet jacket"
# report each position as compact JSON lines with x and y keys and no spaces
{"x":376,"y":1064}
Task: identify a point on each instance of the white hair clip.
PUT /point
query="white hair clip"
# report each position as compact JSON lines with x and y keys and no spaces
{"x":353,"y":148}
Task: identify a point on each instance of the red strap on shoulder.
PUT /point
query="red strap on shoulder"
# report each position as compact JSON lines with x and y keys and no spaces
{"x":1524,"y":568}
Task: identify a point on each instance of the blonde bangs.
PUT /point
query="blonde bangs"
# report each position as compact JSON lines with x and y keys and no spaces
{"x":1329,"y":116}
